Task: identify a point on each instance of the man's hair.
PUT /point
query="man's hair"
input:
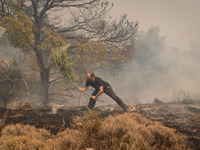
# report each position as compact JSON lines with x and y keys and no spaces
{"x":92,"y":74}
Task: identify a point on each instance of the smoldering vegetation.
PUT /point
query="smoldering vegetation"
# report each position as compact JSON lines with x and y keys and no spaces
{"x":89,"y":131}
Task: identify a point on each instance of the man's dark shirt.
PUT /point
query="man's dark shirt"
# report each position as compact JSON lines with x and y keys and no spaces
{"x":97,"y":83}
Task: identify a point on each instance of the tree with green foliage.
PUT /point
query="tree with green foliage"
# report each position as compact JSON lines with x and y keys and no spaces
{"x":37,"y":27}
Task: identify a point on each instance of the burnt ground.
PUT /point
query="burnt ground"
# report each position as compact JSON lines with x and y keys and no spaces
{"x":183,"y":120}
{"x":44,"y":118}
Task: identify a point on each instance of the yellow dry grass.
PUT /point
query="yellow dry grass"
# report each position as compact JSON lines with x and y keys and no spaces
{"x":128,"y":131}
{"x":22,"y":143}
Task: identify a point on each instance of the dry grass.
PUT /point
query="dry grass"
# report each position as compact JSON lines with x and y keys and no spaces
{"x":22,"y":143}
{"x":124,"y":131}
{"x":131,"y":131}
{"x":23,"y":137}
{"x":117,"y":132}
{"x":24,"y":130}
{"x":67,"y":140}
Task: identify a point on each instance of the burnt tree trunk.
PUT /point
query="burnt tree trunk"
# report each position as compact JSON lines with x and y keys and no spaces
{"x":44,"y":71}
{"x":44,"y":78}
{"x":44,"y":91}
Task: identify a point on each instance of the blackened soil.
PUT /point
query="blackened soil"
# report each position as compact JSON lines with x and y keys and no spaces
{"x":45,"y":118}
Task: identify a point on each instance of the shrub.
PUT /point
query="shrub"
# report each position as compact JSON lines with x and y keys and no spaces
{"x":67,"y":140}
{"x":132,"y":131}
{"x":22,"y":143}
{"x":23,"y":130}
{"x":88,"y":124}
{"x":81,"y":136}
{"x":166,"y":138}
{"x":123,"y":131}
{"x":117,"y":132}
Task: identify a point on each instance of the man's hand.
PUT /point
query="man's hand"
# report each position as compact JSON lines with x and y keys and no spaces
{"x":82,"y":89}
{"x":99,"y":93}
{"x":94,"y":97}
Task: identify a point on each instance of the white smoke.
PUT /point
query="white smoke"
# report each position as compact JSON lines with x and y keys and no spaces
{"x":157,"y":71}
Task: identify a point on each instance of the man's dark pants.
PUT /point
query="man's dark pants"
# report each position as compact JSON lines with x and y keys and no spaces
{"x":109,"y":91}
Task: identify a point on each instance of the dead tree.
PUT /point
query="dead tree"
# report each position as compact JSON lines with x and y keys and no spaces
{"x":183,"y":99}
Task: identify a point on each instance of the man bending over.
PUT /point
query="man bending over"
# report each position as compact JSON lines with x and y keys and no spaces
{"x":100,"y":87}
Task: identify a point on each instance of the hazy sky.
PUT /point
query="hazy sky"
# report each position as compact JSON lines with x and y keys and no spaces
{"x":179,"y":20}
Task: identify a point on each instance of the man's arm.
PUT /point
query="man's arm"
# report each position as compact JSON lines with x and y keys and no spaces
{"x":99,"y":93}
{"x":83,"y":89}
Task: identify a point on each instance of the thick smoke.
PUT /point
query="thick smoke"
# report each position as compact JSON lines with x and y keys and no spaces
{"x":157,"y":71}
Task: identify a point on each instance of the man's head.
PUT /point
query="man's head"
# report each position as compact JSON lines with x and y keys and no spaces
{"x":91,"y":76}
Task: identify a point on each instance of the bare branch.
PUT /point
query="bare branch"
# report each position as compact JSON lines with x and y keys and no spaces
{"x":74,"y":3}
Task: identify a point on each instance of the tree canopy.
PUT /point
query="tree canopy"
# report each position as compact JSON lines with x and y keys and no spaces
{"x":41,"y":28}
{"x":18,"y":29}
